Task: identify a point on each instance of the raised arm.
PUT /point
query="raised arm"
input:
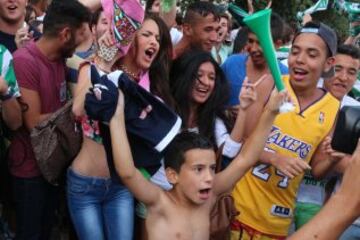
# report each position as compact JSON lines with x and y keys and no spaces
{"x":340,"y":211}
{"x":252,"y":149}
{"x":82,"y":87}
{"x":246,"y":100}
{"x":142,"y":189}
{"x":233,"y":141}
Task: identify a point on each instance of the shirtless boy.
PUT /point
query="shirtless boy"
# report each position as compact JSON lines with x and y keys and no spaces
{"x":184,"y":211}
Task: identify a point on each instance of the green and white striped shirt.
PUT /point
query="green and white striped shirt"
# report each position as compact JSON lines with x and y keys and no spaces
{"x":7,"y":72}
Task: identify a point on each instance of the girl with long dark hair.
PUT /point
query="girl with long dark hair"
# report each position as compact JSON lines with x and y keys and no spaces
{"x":200,"y":91}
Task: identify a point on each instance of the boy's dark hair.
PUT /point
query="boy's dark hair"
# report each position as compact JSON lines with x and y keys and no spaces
{"x":179,"y":19}
{"x":64,"y":13}
{"x":183,"y":142}
{"x":288,"y":33}
{"x":277,"y":27}
{"x":349,"y":50}
{"x":241,"y":39}
{"x":201,"y":8}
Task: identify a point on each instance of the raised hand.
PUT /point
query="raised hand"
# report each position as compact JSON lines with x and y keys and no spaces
{"x":247,"y":94}
{"x":276,"y":99}
{"x":23,"y":36}
{"x":107,"y":39}
{"x":333,"y":155}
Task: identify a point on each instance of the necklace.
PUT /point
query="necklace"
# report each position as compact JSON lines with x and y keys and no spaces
{"x":134,"y":76}
{"x":99,"y":65}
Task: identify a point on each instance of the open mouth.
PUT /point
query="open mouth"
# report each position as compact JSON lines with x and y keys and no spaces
{"x":12,"y":8}
{"x":256,"y":56}
{"x":205,"y":193}
{"x":299,"y":73}
{"x":340,"y":85}
{"x":202,"y":90}
{"x":150,"y":53}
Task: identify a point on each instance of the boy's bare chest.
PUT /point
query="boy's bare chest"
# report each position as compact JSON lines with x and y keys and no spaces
{"x":179,"y":224}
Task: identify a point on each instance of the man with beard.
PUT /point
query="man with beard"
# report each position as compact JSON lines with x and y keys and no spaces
{"x":253,"y":65}
{"x":12,"y":18}
{"x":200,"y":28}
{"x":41,"y":73}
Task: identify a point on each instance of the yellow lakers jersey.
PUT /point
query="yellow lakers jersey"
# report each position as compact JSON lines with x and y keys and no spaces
{"x":264,"y":196}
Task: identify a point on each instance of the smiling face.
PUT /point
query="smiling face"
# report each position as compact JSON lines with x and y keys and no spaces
{"x":254,"y":49}
{"x":101,"y":26}
{"x":204,"y":83}
{"x":346,"y":70}
{"x":308,"y":60}
{"x":223,"y":30}
{"x":146,"y":46}
{"x":202,"y":33}
{"x":196,"y":175}
{"x":12,"y":11}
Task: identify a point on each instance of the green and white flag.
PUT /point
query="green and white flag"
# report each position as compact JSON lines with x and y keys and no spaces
{"x":320,"y":5}
{"x":351,"y":7}
{"x":7,"y":72}
{"x":347,"y":6}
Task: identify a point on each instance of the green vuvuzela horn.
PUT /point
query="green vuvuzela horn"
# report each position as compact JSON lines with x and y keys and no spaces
{"x":259,"y":23}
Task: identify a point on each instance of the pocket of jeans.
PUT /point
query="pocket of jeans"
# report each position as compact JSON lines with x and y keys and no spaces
{"x":77,"y":189}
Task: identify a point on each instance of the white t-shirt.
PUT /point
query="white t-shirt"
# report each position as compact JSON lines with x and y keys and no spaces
{"x":176,"y":36}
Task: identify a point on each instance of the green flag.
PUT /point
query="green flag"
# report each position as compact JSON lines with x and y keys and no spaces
{"x":320,"y":5}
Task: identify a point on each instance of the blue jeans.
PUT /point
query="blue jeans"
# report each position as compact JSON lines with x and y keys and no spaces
{"x":351,"y":233}
{"x":99,"y":208}
{"x":35,"y":204}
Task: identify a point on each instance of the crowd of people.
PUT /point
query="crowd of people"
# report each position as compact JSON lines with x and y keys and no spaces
{"x":208,"y":72}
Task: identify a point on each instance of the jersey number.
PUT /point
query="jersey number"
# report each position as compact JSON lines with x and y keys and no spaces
{"x":261,"y":171}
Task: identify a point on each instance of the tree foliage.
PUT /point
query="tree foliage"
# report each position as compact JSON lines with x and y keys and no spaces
{"x":288,"y":9}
